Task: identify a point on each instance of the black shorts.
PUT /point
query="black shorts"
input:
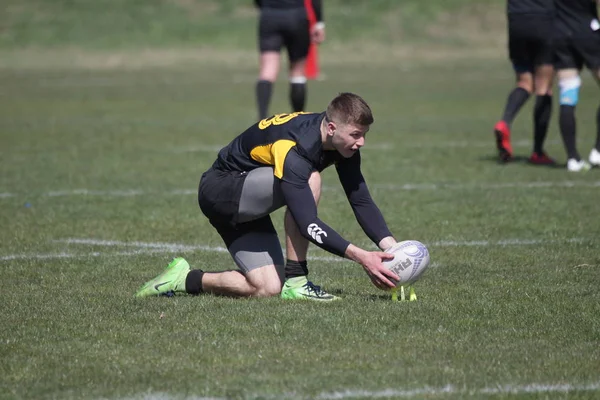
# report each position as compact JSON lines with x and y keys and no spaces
{"x":220,"y":194}
{"x":287,"y":28}
{"x":253,"y":244}
{"x":530,"y":41}
{"x":577,"y":51}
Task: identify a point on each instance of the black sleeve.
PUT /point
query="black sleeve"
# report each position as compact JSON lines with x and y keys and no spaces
{"x":258,"y":3}
{"x":366,"y":211}
{"x":318,"y":8}
{"x":301,"y":203}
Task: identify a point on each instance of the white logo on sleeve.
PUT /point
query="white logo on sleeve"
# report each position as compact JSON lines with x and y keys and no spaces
{"x":315,"y":232}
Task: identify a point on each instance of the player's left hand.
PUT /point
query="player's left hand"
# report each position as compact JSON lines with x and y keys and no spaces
{"x":317,"y":33}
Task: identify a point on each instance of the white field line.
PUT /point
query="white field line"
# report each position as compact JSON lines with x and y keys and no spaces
{"x":381,"y":186}
{"x":147,"y":248}
{"x":449,"y":389}
{"x":505,"y":242}
{"x":140,"y":248}
{"x":533,"y":388}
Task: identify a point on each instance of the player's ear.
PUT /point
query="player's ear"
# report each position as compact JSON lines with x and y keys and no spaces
{"x":331,"y":127}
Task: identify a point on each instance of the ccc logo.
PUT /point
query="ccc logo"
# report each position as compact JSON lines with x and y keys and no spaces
{"x":278,"y":119}
{"x":315,"y":232}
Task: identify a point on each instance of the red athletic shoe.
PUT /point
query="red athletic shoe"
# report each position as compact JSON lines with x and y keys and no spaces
{"x":541,"y":159}
{"x":502,"y":132}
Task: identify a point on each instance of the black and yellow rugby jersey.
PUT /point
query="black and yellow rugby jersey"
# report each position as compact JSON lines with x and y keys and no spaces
{"x":292,"y":145}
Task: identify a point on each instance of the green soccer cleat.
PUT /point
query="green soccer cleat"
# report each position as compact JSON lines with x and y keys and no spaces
{"x":302,"y":289}
{"x":172,"y":280}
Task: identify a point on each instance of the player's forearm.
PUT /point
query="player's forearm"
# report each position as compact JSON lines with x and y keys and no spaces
{"x":354,"y":253}
{"x":301,"y":204}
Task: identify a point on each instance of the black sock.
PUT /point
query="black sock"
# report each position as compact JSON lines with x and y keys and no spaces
{"x":263,"y":97}
{"x":294,"y":269}
{"x":566,"y":120}
{"x":298,"y":96}
{"x":598,"y":129}
{"x":541,"y":120}
{"x":193,"y":281}
{"x":515,"y":101}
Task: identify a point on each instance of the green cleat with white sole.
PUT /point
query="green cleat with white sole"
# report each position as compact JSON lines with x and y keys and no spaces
{"x":171,"y":281}
{"x":301,"y":288}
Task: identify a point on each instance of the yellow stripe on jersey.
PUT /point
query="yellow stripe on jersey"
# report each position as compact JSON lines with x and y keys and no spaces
{"x":279,"y":119}
{"x":273,"y":154}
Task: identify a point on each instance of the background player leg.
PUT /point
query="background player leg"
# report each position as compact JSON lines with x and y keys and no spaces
{"x":516,"y":99}
{"x":541,"y":115}
{"x":297,"y":85}
{"x":570,"y":82}
{"x":595,"y":153}
{"x":297,"y":285}
{"x":269,"y":69}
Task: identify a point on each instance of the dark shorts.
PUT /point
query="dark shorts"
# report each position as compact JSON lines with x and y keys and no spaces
{"x":575,"y":52}
{"x":288,"y":28}
{"x":530,"y":42}
{"x":238,"y":207}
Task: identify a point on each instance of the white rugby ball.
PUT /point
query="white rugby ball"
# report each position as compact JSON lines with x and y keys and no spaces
{"x":411,"y":259}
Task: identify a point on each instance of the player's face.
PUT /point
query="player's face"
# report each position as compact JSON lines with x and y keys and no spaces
{"x":348,"y":138}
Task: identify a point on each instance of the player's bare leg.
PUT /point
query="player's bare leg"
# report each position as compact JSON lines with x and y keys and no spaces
{"x":260,"y":282}
{"x":269,"y":69}
{"x":179,"y":278}
{"x":297,"y":285}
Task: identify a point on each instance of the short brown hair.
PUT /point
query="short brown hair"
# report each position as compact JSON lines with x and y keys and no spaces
{"x":349,"y":108}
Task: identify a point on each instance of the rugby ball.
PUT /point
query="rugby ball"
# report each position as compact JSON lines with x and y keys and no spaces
{"x":411,"y":259}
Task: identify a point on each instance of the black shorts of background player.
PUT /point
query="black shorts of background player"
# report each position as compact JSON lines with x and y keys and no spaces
{"x":530,"y":45}
{"x":578,"y":44}
{"x":284,"y":23}
{"x":274,"y":163}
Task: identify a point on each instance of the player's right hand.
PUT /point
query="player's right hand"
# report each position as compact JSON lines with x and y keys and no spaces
{"x":381,"y":277}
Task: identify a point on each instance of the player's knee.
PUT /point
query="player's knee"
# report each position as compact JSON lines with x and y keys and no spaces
{"x":525,"y":81}
{"x":569,"y":90}
{"x":526,"y":85}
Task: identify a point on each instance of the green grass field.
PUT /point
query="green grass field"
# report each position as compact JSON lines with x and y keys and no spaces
{"x":100,"y":164}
